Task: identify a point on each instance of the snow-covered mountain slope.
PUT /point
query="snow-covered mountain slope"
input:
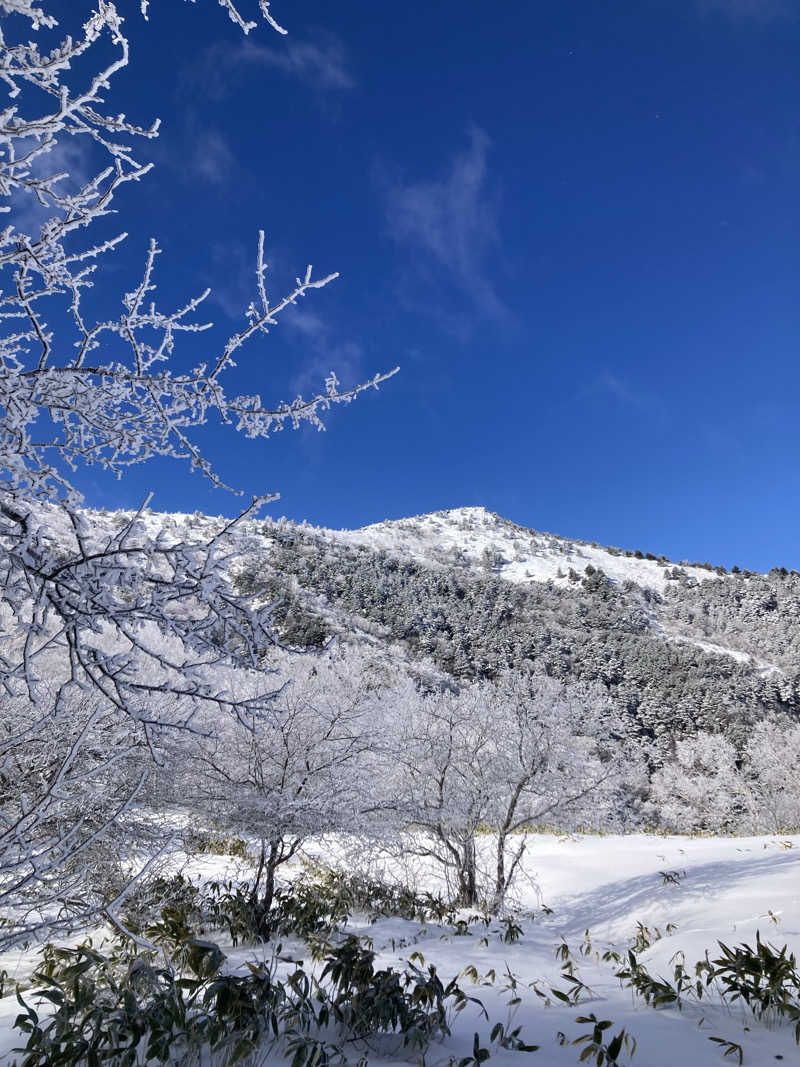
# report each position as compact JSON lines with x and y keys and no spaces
{"x":468,"y":593}
{"x":487,"y":542}
{"x":471,"y":537}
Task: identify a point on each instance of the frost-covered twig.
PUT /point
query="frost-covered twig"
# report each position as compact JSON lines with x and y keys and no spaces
{"x":140,"y":631}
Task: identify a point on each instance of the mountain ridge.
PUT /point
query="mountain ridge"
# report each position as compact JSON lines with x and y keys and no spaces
{"x":470,"y":594}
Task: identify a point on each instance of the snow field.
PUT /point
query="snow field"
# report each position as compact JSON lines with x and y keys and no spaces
{"x":727,"y":889}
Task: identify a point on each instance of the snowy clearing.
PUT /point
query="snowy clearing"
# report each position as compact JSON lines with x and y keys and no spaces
{"x":721,"y":889}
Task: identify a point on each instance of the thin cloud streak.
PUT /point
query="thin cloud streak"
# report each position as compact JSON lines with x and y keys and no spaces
{"x":320,"y":64}
{"x":323,"y":354}
{"x":453,"y":222}
{"x":623,"y":391}
{"x":624,"y":395}
{"x":211,"y":159}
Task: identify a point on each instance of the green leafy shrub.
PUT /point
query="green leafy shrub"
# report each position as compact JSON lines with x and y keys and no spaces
{"x":207,"y":842}
{"x":122,"y":1009}
{"x":765,"y":978}
{"x":595,"y":1046}
{"x":323,"y":898}
{"x":123,"y":1006}
{"x":412,"y":1003}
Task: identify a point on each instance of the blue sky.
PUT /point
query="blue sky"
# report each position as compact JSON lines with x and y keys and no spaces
{"x":575,"y":229}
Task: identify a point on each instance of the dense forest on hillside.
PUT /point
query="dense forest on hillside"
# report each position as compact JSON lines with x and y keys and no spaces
{"x":759,"y":614}
{"x":474,"y":625}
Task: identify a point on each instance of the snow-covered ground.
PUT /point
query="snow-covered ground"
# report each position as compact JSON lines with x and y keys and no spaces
{"x":727,"y":889}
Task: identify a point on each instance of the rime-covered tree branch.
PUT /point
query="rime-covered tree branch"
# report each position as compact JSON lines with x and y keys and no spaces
{"x":145,"y":632}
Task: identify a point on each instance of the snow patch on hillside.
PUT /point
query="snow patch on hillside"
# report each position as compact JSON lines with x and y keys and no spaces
{"x":762,"y":666}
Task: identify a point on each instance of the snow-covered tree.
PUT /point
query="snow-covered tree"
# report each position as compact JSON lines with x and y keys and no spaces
{"x":70,"y":783}
{"x":479,"y":768}
{"x":561,"y":756}
{"x":771,"y":769}
{"x":135,"y":624}
{"x":700,"y":789}
{"x":711,"y":785}
{"x":310,"y":770}
{"x":440,"y":753}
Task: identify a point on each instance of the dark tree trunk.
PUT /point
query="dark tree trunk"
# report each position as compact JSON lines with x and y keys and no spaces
{"x":500,"y":885}
{"x":262,"y":899}
{"x":468,"y":876}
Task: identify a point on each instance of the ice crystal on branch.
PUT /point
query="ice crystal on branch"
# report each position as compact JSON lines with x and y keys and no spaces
{"x":233,"y":14}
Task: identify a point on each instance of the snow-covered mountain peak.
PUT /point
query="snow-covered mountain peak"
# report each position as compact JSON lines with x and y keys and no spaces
{"x":743,"y":617}
{"x":478,"y":539}
{"x":472,"y":538}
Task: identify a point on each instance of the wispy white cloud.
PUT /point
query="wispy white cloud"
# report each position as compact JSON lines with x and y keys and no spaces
{"x":624,"y":395}
{"x":323,"y":354}
{"x":196,"y":151}
{"x":233,"y":287}
{"x":452,"y":221}
{"x":321,"y":63}
{"x":68,"y":156}
{"x":210,"y":158}
{"x":742,"y":10}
